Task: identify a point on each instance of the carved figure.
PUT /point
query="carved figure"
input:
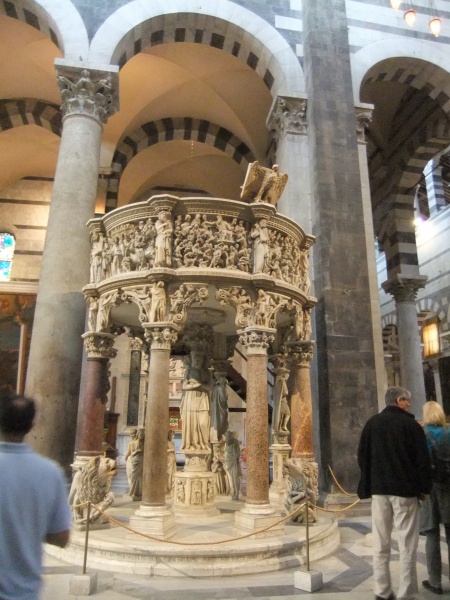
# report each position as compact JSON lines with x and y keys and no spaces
{"x":307,"y":324}
{"x":232,"y":463}
{"x":171,"y":462}
{"x":194,"y":407}
{"x":180,"y":491}
{"x":281,"y":413}
{"x":209,"y":491}
{"x":93,"y":311}
{"x":302,"y":483}
{"x":91,"y":483}
{"x":220,"y":477}
{"x":263,"y":184}
{"x":134,"y":458}
{"x":265,"y":306}
{"x":260,"y":236}
{"x":158,"y":305}
{"x":196,"y":492}
{"x":118,"y":252}
{"x":163,"y":241}
{"x":96,"y":270}
{"x":182,"y":298}
{"x":219,"y":408}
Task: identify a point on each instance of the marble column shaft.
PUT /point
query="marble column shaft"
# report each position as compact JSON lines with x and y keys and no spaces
{"x":56,"y":348}
{"x":157,"y":422}
{"x":92,"y":419}
{"x":257,"y":429}
{"x":301,"y":402}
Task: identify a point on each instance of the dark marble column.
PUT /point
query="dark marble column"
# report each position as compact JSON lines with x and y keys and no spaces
{"x":99,"y":349}
{"x":153,"y":516}
{"x":54,"y":366}
{"x":134,"y":384}
{"x":404,"y":291}
{"x":257,"y":512}
{"x":301,"y":354}
{"x":346,"y":377}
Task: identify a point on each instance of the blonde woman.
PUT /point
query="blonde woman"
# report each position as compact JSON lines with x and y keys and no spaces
{"x":436,"y":508}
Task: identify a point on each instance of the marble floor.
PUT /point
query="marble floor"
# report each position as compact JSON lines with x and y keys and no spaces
{"x":347,"y":574}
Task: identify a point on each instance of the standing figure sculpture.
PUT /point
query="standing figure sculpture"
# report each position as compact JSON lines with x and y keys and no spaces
{"x":163,"y":241}
{"x":194,"y":407}
{"x":219,"y":408}
{"x":134,"y":458}
{"x":281,"y":412}
{"x":260,"y":236}
{"x":158,"y":304}
{"x":233,"y":464}
{"x":171,"y":461}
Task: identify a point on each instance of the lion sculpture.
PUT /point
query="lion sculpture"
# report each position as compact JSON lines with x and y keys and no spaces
{"x":92,"y":483}
{"x":302,"y":483}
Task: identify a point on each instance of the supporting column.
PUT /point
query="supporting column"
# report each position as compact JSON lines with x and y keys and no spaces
{"x":153,"y":516}
{"x":301,"y":354}
{"x":257,"y":512}
{"x":287,"y":119}
{"x":56,"y":348}
{"x":279,"y":448}
{"x":134,"y":384}
{"x":99,"y":349}
{"x":345,"y":367}
{"x":404,"y":291}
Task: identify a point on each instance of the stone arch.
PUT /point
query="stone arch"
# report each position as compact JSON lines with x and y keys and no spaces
{"x":365,"y":59}
{"x":171,"y":129}
{"x":225,"y":26}
{"x":435,"y":307}
{"x":59,"y":20}
{"x":29,"y":111}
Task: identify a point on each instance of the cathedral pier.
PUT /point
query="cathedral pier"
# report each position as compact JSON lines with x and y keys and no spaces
{"x":56,"y":346}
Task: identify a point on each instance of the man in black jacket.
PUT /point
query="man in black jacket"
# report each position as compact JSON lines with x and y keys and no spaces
{"x":396,"y":473}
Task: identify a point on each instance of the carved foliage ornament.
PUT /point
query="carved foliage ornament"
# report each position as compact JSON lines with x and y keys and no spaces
{"x":160,"y":338}
{"x":87,"y":93}
{"x":288,"y":116}
{"x":256,"y":341}
{"x":151,"y":300}
{"x":99,"y":345}
{"x":182,"y":298}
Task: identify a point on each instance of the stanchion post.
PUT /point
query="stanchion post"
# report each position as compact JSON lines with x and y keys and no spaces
{"x":84,"y":584}
{"x":86,"y":539}
{"x":307,"y":534}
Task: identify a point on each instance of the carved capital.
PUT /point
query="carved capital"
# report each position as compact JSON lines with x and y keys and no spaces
{"x":279,"y":361}
{"x":161,"y":336}
{"x":99,"y":345}
{"x":199,"y":338}
{"x":257,"y":339}
{"x":300,"y":353}
{"x":404,"y":289}
{"x":86,"y":92}
{"x":136,"y":344}
{"x":363,"y":116}
{"x":288,"y":115}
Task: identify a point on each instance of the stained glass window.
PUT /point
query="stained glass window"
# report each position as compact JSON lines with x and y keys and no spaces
{"x":7,"y":244}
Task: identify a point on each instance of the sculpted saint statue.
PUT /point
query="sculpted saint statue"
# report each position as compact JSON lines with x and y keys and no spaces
{"x":281,"y":413}
{"x":134,"y":458}
{"x":158,"y":303}
{"x":194,"y":407}
{"x":260,"y":236}
{"x":97,"y":248}
{"x":171,"y":461}
{"x":263,"y":184}
{"x":219,"y":408}
{"x":163,"y":241}
{"x":232,"y":464}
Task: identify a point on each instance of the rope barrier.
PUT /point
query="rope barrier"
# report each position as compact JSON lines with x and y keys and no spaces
{"x":290,"y":516}
{"x":338,"y":484}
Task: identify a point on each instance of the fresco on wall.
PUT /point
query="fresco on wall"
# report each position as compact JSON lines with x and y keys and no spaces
{"x":15,"y":310}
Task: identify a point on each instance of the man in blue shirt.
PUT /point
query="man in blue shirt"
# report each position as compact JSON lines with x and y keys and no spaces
{"x":33,"y":503}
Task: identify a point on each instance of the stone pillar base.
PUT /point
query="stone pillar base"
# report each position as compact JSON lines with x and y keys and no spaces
{"x":254,"y":517}
{"x":194,"y":494}
{"x":157,"y":521}
{"x":278,"y":488}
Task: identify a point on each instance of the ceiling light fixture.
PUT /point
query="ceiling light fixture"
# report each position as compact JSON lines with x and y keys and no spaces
{"x":410,"y":15}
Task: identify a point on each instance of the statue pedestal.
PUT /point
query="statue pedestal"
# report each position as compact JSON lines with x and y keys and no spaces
{"x":194,"y":489}
{"x":254,"y":517}
{"x":278,"y":488}
{"x":157,"y":521}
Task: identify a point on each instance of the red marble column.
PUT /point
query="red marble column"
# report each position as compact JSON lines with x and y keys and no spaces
{"x":256,"y":341}
{"x":301,"y":354}
{"x":99,"y":348}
